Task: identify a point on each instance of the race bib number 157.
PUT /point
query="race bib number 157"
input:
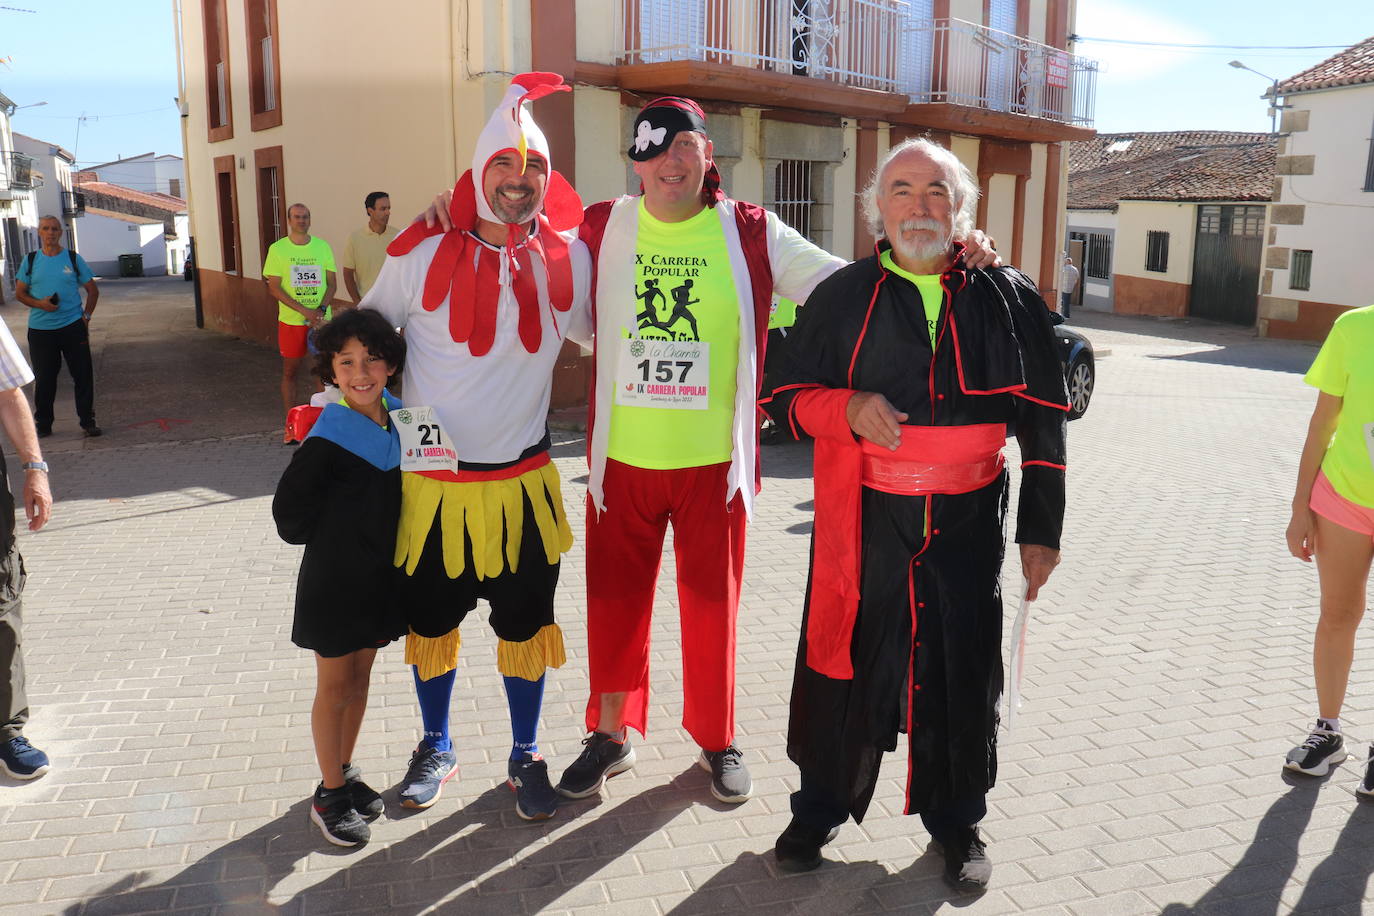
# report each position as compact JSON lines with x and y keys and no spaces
{"x":664,"y":373}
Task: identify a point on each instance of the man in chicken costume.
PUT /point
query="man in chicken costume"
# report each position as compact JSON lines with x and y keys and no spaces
{"x":486,"y":306}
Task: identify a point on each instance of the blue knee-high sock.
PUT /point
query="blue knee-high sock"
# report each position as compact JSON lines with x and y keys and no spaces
{"x":434,"y":695}
{"x":525,"y":699}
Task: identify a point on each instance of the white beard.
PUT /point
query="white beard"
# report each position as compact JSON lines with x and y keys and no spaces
{"x":922,"y":251}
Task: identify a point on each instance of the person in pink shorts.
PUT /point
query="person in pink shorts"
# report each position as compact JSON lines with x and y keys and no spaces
{"x":1333,"y":520}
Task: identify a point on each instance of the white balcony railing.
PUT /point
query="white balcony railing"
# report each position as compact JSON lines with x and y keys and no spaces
{"x":853,"y":42}
{"x":970,"y":64}
{"x":869,"y":44}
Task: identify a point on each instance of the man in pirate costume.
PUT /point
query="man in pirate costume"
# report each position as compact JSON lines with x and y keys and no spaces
{"x":909,"y":368}
{"x":486,"y":307}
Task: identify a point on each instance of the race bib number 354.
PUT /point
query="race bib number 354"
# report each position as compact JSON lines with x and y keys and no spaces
{"x":663,"y":373}
{"x":307,"y":275}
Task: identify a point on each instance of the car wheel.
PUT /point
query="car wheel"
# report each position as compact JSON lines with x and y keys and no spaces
{"x":1080,"y":378}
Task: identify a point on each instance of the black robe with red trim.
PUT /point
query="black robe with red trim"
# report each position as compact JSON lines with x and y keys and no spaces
{"x":995,"y":361}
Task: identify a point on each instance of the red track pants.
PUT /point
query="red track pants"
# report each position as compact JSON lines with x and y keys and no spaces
{"x":624,"y":549}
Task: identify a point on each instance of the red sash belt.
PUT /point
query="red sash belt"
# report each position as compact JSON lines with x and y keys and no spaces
{"x":533,"y":462}
{"x":930,"y":460}
{"x":893,"y":472}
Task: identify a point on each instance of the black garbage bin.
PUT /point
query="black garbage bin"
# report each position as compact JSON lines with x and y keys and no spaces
{"x":131,"y":265}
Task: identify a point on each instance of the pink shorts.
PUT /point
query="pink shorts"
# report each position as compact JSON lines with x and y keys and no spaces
{"x":1334,"y":507}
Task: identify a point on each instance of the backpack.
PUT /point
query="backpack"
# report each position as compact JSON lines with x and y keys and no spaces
{"x":28,"y":263}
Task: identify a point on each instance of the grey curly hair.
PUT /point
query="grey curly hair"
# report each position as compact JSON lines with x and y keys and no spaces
{"x":964,"y":190}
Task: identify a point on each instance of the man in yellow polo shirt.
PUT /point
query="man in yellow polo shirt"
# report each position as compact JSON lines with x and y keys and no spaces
{"x":299,"y":272}
{"x":365,"y":250}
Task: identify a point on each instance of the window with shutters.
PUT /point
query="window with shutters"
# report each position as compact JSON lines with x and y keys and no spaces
{"x":1157,"y":251}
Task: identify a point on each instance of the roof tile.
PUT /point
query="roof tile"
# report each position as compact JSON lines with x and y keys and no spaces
{"x":1351,"y":66}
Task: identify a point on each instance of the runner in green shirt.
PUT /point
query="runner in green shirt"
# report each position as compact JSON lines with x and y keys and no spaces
{"x":299,"y":272}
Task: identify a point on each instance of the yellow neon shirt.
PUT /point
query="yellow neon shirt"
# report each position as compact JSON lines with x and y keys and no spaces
{"x":302,"y":270}
{"x":932,"y":294}
{"x":682,"y":275}
{"x":1344,"y":368}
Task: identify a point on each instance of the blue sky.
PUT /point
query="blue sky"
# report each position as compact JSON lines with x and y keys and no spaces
{"x":115,"y":62}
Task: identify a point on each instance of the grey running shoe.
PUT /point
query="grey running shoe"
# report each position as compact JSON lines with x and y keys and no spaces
{"x":967,"y":865}
{"x":1322,"y":750}
{"x":338,"y":820}
{"x":602,"y":757}
{"x":425,"y":777}
{"x":366,"y":800}
{"x":535,"y":799}
{"x":1366,"y":787}
{"x":730,"y":780}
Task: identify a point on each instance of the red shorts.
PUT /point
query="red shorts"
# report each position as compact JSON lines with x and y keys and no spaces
{"x":291,"y":339}
{"x":1334,"y":507}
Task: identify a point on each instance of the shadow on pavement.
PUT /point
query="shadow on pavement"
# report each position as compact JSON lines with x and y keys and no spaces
{"x":1255,"y":885}
{"x":753,"y":882}
{"x":412,"y":875}
{"x":425,"y":868}
{"x":238,"y":875}
{"x":1256,"y":355}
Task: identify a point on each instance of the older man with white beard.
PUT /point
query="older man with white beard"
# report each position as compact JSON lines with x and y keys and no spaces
{"x":908,"y":368}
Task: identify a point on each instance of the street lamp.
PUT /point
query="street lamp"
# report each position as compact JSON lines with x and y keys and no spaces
{"x":13,"y":108}
{"x":1272,"y":94}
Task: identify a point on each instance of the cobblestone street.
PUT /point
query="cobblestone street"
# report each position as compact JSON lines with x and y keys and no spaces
{"x":1168,"y":673}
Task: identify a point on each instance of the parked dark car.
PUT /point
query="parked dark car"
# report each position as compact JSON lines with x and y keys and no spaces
{"x":1080,"y":370}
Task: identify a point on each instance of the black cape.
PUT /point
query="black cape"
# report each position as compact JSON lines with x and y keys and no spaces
{"x":864,"y":328}
{"x":341,"y":497}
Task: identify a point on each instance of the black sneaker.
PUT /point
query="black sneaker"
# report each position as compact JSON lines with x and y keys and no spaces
{"x":967,"y":865}
{"x":799,"y":846}
{"x":602,"y":757}
{"x":44,"y":431}
{"x":338,"y":820}
{"x":1366,"y":787}
{"x":535,"y":799}
{"x":425,"y":777}
{"x":91,"y":432}
{"x":22,"y":760}
{"x":730,"y":780}
{"x":367,"y":801}
{"x":1322,"y":750}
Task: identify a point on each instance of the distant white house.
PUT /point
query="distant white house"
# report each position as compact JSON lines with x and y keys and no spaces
{"x":56,"y":196}
{"x":165,"y":174}
{"x":1170,"y":223}
{"x":18,"y":208}
{"x":1323,"y":215}
{"x":123,"y":221}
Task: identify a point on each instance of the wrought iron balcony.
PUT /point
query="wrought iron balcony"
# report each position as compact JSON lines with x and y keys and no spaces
{"x":962,"y":63}
{"x":73,"y":204}
{"x":18,"y":171}
{"x":879,"y":45}
{"x":853,"y":42}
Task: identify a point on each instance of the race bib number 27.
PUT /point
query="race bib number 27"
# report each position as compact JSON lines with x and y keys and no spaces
{"x":424,"y":444}
{"x":664,"y":373}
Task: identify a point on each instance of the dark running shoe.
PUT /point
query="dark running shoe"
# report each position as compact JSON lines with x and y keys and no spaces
{"x":91,"y":432}
{"x":602,"y":757}
{"x":967,"y":865}
{"x":367,"y":801}
{"x":22,"y":760}
{"x":1366,"y":787}
{"x":1322,"y":750}
{"x":535,"y":799}
{"x":425,"y":777}
{"x":799,"y":846}
{"x":730,"y":782}
{"x":338,"y":820}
